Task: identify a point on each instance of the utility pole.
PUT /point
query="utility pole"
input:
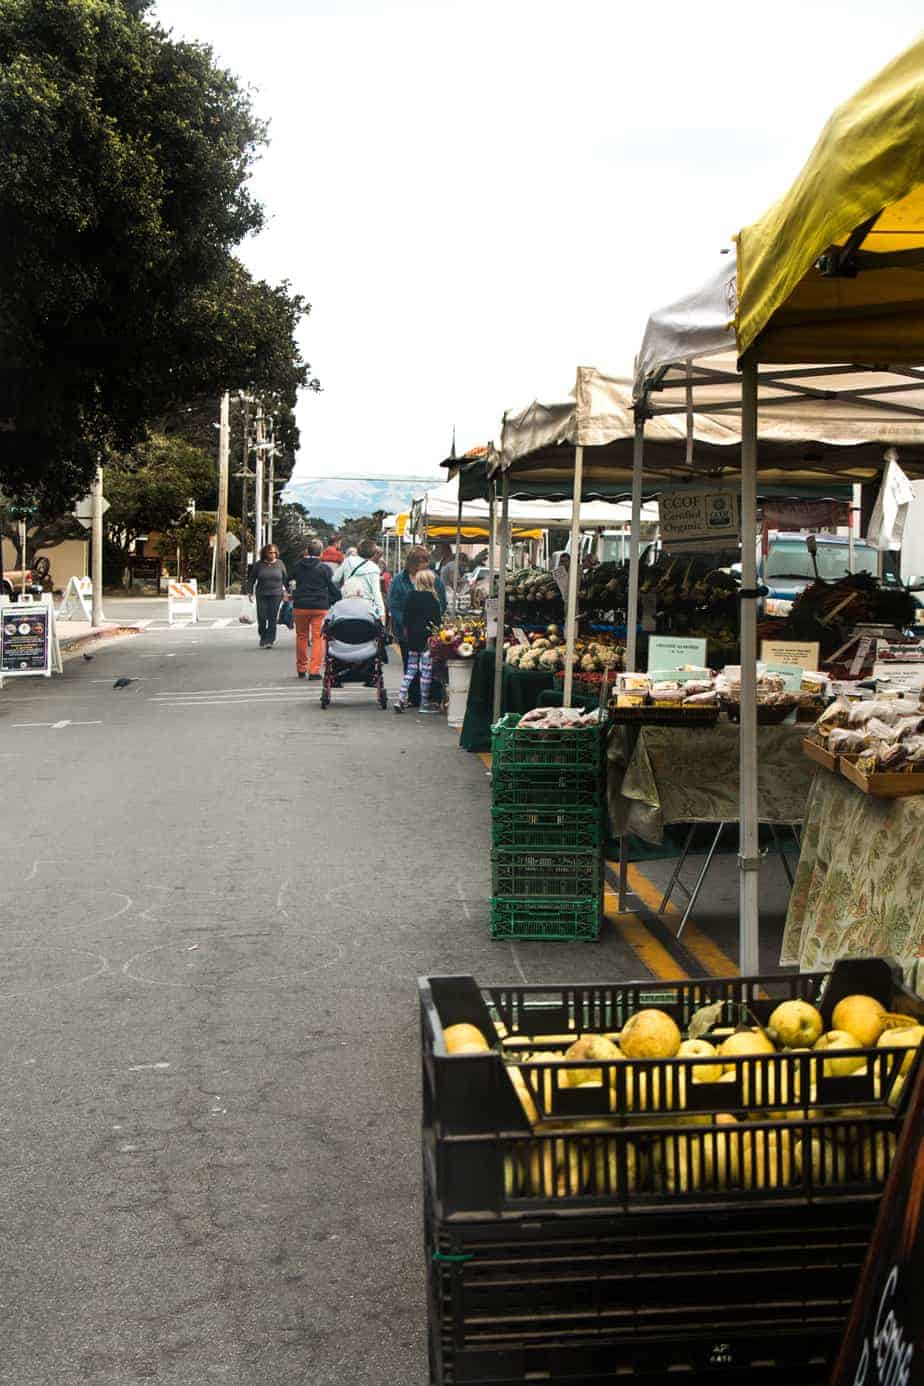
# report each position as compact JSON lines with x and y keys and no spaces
{"x":221,"y":535}
{"x":96,"y":548}
{"x":245,"y":464}
{"x":258,"y":487}
{"x":271,"y":490}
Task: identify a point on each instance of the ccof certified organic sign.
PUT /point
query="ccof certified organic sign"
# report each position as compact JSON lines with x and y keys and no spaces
{"x":801,"y":654}
{"x":693,"y":516}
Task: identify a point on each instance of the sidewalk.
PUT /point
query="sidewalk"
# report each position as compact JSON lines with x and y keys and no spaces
{"x":76,"y":637}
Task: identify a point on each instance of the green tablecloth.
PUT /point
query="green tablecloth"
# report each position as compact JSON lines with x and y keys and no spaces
{"x":690,"y":775}
{"x":520,"y":693}
{"x":859,"y":886}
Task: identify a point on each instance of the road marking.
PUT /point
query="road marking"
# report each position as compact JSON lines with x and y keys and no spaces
{"x":713,"y":958}
{"x":642,"y":941}
{"x":222,"y":622}
{"x":232,"y":702}
{"x":56,"y":726}
{"x":254,"y":688}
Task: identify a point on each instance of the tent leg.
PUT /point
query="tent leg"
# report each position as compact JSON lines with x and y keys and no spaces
{"x":455,"y":581}
{"x":749,"y":858}
{"x":501,"y":600}
{"x":574,"y":573}
{"x":638,"y":450}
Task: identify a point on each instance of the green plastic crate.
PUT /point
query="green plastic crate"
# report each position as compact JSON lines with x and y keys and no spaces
{"x":562,"y":920}
{"x":546,"y":875}
{"x":553,"y":829}
{"x":546,"y":787}
{"x":513,"y":746}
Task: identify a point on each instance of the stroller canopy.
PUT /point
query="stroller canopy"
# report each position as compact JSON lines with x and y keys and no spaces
{"x":353,"y":630}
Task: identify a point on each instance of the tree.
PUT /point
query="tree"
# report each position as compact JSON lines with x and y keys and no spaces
{"x":124,"y":163}
{"x":150,"y":487}
{"x":191,"y":539}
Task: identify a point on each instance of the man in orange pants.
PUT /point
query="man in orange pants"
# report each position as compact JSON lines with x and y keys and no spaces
{"x":313,"y":594}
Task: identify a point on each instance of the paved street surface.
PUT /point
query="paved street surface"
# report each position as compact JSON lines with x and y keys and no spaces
{"x":217,"y":898}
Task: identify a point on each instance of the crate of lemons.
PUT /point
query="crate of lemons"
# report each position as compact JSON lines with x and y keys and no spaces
{"x":637,"y":1135}
{"x":545,"y":653}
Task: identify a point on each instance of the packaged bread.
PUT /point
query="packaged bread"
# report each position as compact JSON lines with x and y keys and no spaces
{"x":707,"y":698}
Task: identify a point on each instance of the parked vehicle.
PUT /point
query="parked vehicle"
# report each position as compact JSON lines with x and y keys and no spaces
{"x":787,"y":569}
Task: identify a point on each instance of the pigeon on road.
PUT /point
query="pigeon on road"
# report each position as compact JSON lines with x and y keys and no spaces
{"x":122,"y":683}
{"x":87,"y":656}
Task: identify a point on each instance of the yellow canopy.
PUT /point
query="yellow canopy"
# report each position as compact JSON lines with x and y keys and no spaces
{"x":862,"y":191}
{"x":444,"y":531}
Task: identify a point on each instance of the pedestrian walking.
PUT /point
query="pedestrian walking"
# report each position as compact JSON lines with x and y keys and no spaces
{"x":332,"y":556}
{"x":313,"y":595}
{"x":421,"y":615}
{"x":402,"y":585}
{"x":359,"y":576}
{"x":267,"y":582}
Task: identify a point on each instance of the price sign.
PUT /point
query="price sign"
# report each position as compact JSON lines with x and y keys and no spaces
{"x":673,"y":651}
{"x":792,"y":678}
{"x":800,"y":654}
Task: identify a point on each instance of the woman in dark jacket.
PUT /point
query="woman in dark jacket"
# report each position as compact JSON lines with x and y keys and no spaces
{"x":421,"y":614}
{"x":313,"y":595}
{"x":268,"y":580}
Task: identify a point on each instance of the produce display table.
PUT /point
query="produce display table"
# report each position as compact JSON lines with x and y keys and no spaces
{"x":690,"y":775}
{"x":521,"y":692}
{"x":859,"y":885}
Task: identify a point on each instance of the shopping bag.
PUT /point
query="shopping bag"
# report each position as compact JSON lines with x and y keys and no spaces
{"x":285,"y":617}
{"x":246,"y":612}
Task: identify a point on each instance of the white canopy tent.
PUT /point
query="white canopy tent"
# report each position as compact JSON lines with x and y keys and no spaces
{"x":442,"y":504}
{"x":840,"y":418}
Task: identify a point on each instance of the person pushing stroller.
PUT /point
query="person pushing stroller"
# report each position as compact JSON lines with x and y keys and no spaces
{"x":421,"y":614}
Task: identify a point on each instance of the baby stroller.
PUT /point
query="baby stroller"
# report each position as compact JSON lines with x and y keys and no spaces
{"x":355,"y":648}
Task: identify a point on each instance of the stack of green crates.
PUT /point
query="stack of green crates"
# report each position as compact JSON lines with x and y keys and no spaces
{"x":547,"y":846}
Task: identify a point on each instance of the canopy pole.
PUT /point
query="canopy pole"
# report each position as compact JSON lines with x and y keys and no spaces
{"x":455,"y":581}
{"x":501,"y":600}
{"x":748,"y":858}
{"x":492,"y":538}
{"x":574,"y":573}
{"x":638,"y":451}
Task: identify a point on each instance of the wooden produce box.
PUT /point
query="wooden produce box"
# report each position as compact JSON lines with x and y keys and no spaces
{"x":886,"y":785}
{"x":820,"y":755}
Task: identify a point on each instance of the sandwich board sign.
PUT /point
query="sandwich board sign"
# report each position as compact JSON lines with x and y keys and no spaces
{"x":28,"y":639}
{"x":182,"y":599}
{"x":81,"y":590}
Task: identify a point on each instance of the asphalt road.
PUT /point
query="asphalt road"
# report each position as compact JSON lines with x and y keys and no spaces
{"x":217,"y":898}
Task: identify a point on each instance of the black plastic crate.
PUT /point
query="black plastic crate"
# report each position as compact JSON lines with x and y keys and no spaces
{"x":645,"y":1298}
{"x":478,"y":1138}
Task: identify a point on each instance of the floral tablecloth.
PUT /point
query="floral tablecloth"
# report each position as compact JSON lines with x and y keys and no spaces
{"x":690,"y":775}
{"x":859,"y":886}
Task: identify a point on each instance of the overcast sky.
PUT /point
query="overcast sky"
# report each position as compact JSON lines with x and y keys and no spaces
{"x":478,"y":197}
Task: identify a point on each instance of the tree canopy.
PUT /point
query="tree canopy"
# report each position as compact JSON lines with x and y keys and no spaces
{"x":124,"y":163}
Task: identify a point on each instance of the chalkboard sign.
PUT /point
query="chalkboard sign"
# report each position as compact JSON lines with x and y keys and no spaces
{"x":884,"y":1342}
{"x":25,"y":640}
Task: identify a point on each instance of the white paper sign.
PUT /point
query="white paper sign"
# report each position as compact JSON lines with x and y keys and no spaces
{"x":910,"y":676}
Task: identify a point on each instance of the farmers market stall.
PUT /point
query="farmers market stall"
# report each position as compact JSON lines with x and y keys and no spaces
{"x":831,"y":274}
{"x":860,"y":878}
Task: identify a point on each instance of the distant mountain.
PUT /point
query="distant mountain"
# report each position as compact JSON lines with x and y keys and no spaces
{"x":334,"y":498}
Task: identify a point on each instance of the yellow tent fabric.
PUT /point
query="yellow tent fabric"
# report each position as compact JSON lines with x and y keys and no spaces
{"x":442,"y":531}
{"x":868,"y":162}
{"x":401,"y":523}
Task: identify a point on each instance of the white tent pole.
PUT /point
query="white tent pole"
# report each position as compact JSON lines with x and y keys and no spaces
{"x":492,"y":539}
{"x":455,"y":581}
{"x":638,"y":451}
{"x":574,"y":572}
{"x":748,"y":858}
{"x":501,"y":599}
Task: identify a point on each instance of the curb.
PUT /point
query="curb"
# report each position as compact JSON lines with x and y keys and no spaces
{"x":80,"y":644}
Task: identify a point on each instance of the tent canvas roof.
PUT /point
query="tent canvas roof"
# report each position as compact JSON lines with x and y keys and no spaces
{"x":441,"y":503}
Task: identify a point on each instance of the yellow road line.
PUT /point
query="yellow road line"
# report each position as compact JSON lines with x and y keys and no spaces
{"x":713,"y":958}
{"x":649,"y":951}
